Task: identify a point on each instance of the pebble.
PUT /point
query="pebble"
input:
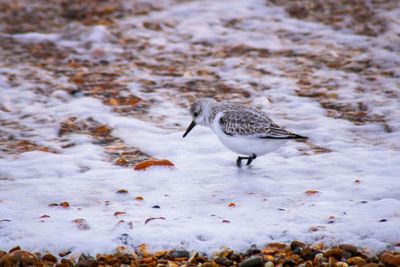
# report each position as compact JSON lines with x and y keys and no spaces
{"x":111,"y":259}
{"x":276,"y":245}
{"x":50,"y":258}
{"x":236,"y":257}
{"x":356,"y":261}
{"x":318,"y":257}
{"x":68,"y":262}
{"x":181,"y":254}
{"x":193,"y":256}
{"x":18,"y":258}
{"x":223,"y":252}
{"x":85,"y":260}
{"x":61,"y":265}
{"x":256,"y":261}
{"x":296,"y":244}
{"x":335,"y":253}
{"x":269,"y":257}
{"x":386,"y":256}
{"x":64,"y":253}
{"x":269,"y":250}
{"x":14,"y":249}
{"x":121,"y":251}
{"x":253,"y":250}
{"x":269,"y":264}
{"x":223,"y":261}
{"x":288,"y":263}
{"x":160,"y":254}
{"x":395,"y":260}
{"x":373,"y":259}
{"x":348,"y":248}
{"x":307,"y":254}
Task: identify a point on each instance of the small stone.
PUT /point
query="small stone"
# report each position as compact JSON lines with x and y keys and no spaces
{"x":64,"y":204}
{"x":180,"y":254}
{"x":256,"y":261}
{"x":296,"y":244}
{"x":222,"y":252}
{"x":335,"y":253}
{"x":111,"y":259}
{"x":318,"y":257}
{"x":269,"y":264}
{"x":223,"y":261}
{"x":356,"y":261}
{"x":68,"y":262}
{"x":50,"y":258}
{"x":306,"y":254}
{"x":236,"y":257}
{"x":298,"y":250}
{"x":268,"y":258}
{"x":288,"y":263}
{"x":269,"y":250}
{"x":373,"y":259}
{"x":122,"y":191}
{"x":395,"y":260}
{"x":193,"y":256}
{"x":14,"y":249}
{"x":160,"y":254}
{"x":147,"y":260}
{"x":64,"y":253}
{"x":172,"y":264}
{"x":253,"y":250}
{"x":148,"y":163}
{"x":2,"y":253}
{"x":18,"y":258}
{"x":85,"y":260}
{"x":276,"y":245}
{"x":156,"y":207}
{"x":121,"y":251}
{"x":386,"y":256}
{"x":347,"y":254}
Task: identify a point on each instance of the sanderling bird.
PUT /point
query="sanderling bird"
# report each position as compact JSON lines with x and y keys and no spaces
{"x":244,"y":130}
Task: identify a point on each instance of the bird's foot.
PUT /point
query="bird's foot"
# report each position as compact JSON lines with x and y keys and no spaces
{"x":249,"y":160}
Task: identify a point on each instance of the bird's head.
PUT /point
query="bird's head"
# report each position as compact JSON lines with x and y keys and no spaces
{"x":200,"y":112}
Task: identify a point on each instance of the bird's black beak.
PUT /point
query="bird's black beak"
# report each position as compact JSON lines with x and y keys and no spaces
{"x":191,"y":126}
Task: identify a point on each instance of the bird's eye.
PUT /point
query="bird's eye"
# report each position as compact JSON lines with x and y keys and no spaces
{"x":195,"y":114}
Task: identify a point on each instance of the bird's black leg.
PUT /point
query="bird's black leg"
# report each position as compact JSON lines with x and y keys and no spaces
{"x":250,"y":159}
{"x":239,"y":161}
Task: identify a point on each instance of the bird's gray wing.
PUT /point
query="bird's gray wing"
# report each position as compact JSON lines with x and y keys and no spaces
{"x":252,"y":122}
